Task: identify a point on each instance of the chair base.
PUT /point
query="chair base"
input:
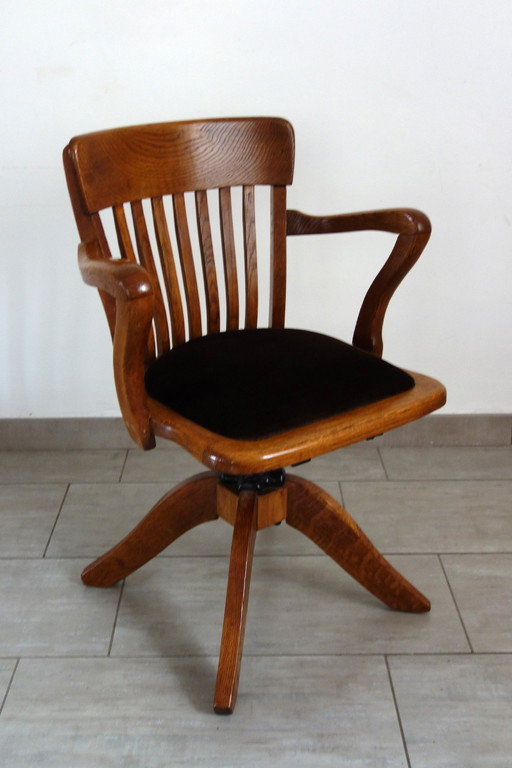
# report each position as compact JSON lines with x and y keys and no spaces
{"x":301,"y":503}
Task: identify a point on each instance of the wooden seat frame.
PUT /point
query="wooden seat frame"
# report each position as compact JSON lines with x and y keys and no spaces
{"x":123,"y":167}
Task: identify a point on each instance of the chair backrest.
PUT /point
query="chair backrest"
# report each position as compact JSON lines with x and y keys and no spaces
{"x":165,"y":173}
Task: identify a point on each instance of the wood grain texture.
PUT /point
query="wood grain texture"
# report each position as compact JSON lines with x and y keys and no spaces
{"x":147,"y":261}
{"x":169,"y":272}
{"x":132,"y":332}
{"x":322,"y":519}
{"x":250,"y":258}
{"x":109,"y":169}
{"x":237,"y":597}
{"x":187,"y":266}
{"x":138,"y":151}
{"x":189,"y":504}
{"x":229,"y":258}
{"x":123,"y":164}
{"x":270,"y":507}
{"x":123,"y":234}
{"x":90,"y":229}
{"x":407,"y":221}
{"x":234,"y":457}
{"x":208,"y":262}
{"x":278,"y":258}
{"x":413,"y":229}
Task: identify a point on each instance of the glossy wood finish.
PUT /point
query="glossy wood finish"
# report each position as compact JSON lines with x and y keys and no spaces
{"x":251,"y":259}
{"x":326,"y":522}
{"x":121,"y":170}
{"x":242,"y":457}
{"x":170,"y":279}
{"x":111,"y":168}
{"x":413,"y":229}
{"x":314,"y":513}
{"x":237,"y":598}
{"x":270,"y":507}
{"x":278,"y":256}
{"x":146,"y":161}
{"x":157,"y":181}
{"x":189,"y":504}
{"x":229,"y":258}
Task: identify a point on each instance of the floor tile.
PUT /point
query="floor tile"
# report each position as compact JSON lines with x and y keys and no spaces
{"x":168,"y":464}
{"x":6,"y":671}
{"x":439,"y":516}
{"x":358,"y":463}
{"x":448,"y":463}
{"x":298,"y":605}
{"x":63,"y":433}
{"x":95,"y":517}
{"x":314,"y":689}
{"x":173,"y":463}
{"x":61,"y":466}
{"x":482,"y":587}
{"x":27,"y":516}
{"x":308,"y":712}
{"x":455,"y":710}
{"x":46,"y":611}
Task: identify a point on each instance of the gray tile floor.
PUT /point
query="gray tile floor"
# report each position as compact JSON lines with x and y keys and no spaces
{"x":124,"y":676}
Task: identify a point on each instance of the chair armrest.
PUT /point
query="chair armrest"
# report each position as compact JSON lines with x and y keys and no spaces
{"x":123,"y":280}
{"x":129,"y":305}
{"x":406,"y":221}
{"x":413,"y":230}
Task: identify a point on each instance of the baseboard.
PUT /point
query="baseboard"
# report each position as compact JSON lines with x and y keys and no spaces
{"x":110,"y":433}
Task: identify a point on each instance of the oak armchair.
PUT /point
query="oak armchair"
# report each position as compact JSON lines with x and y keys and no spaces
{"x":193,"y":362}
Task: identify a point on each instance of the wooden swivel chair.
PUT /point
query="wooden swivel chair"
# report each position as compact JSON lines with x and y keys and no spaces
{"x":246,"y":401}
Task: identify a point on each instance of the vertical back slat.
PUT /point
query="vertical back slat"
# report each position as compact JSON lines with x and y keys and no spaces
{"x":127,"y":252}
{"x":229,"y":258}
{"x":146,"y":259}
{"x":278,"y":257}
{"x":208,"y":262}
{"x":109,"y":303}
{"x":123,"y":233}
{"x":187,"y":266}
{"x":250,"y":254}
{"x":169,"y":271}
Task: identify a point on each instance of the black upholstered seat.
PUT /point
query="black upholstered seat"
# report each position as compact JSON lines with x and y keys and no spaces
{"x":216,"y":380}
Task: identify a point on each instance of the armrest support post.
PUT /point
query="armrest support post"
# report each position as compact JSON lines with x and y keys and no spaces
{"x":413,"y":230}
{"x":127,"y":296}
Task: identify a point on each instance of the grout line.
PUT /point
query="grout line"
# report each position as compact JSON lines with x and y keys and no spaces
{"x":123,"y":466}
{"x":397,"y":710}
{"x":3,"y":701}
{"x":352,"y":480}
{"x":303,"y":655}
{"x":382,"y":464}
{"x":418,"y":480}
{"x":56,"y":520}
{"x":208,"y":556}
{"x":275,"y":655}
{"x":340,"y":488}
{"x":472,"y":650}
{"x":114,"y":627}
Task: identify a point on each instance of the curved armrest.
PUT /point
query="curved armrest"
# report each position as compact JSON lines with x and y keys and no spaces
{"x":406,"y":221}
{"x":123,"y":280}
{"x":413,"y":230}
{"x":129,"y":305}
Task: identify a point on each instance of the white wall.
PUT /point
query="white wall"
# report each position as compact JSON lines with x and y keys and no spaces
{"x":403,"y":102}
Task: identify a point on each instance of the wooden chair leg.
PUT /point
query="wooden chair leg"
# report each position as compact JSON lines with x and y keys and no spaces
{"x":237,"y":596}
{"x":189,"y":504}
{"x":313,"y":512}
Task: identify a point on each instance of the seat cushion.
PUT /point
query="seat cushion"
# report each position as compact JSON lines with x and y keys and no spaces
{"x":252,"y":384}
